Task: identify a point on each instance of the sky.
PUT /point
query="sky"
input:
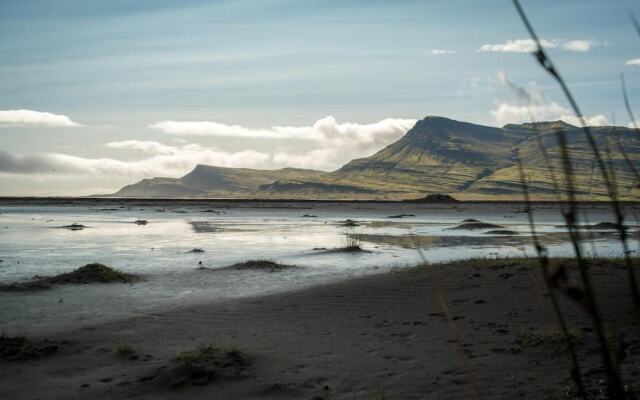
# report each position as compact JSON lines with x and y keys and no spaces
{"x":95,"y":95}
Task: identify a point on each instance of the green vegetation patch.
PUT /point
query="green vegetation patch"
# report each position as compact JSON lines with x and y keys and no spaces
{"x":551,"y":338}
{"x":90,"y":273}
{"x":207,"y":364}
{"x":19,"y":348}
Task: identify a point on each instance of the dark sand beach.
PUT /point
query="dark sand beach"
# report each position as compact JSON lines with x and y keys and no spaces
{"x":384,"y":336}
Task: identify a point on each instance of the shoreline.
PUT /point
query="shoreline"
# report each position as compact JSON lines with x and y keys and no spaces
{"x":387,"y":332}
{"x":47,"y":200}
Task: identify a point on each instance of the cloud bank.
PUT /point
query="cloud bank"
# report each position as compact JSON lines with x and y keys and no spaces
{"x":170,"y":161}
{"x":529,"y":104}
{"x":333,"y":145}
{"x":30,"y":118}
{"x":336,"y":142}
{"x":326,"y":129}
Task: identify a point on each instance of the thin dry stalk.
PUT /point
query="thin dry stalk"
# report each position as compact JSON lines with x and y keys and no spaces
{"x":453,"y":329}
{"x":543,"y":258}
{"x":613,"y":377}
{"x":632,"y":117}
{"x":548,"y":66}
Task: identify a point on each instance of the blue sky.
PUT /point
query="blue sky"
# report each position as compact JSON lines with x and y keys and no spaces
{"x":119,"y":70}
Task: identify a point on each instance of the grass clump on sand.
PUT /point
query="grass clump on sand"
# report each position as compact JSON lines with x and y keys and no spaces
{"x":19,"y":348}
{"x":265,"y":265}
{"x":125,"y":352}
{"x":90,"y":273}
{"x":201,"y":354}
{"x":552,"y":338}
{"x":93,"y":273}
{"x":352,"y":244}
{"x":207,"y":364}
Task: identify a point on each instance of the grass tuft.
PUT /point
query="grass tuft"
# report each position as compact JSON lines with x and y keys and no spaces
{"x":20,"y":348}
{"x":552,"y":338}
{"x":125,"y":351}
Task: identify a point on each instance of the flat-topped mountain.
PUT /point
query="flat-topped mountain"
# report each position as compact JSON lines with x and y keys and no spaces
{"x":438,"y":155}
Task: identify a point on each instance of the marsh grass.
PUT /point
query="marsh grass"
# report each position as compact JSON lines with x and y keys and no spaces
{"x":352,"y":240}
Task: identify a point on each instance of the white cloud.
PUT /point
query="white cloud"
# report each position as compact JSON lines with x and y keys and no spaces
{"x":529,"y":104}
{"x":171,"y":161}
{"x":635,"y":61}
{"x":326,"y":129}
{"x":207,"y":128}
{"x":30,"y":118}
{"x":439,"y":52}
{"x":333,"y":145}
{"x":529,"y":45}
{"x":517,"y":46}
{"x":150,"y":147}
{"x":578,"y":45}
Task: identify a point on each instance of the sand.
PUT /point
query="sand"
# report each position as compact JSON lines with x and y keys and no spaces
{"x":384,"y":336}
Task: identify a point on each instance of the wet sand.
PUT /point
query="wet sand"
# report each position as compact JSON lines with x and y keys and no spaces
{"x":364,"y":338}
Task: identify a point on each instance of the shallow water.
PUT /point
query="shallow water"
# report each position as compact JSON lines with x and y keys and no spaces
{"x":32,"y":242}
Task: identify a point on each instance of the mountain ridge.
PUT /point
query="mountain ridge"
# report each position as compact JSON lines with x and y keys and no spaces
{"x":437,"y":155}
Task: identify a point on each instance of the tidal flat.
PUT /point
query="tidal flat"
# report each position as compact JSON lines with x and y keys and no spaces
{"x":279,"y":299}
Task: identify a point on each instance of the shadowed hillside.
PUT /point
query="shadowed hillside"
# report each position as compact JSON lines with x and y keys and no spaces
{"x":438,"y":155}
{"x":206,"y":180}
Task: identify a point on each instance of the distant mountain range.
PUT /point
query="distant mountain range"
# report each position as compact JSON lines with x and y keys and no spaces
{"x":437,"y":155}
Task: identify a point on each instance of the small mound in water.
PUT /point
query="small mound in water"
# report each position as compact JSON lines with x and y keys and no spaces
{"x":603,"y":226}
{"x":346,"y":249}
{"x":471,"y":226}
{"x":196,"y":250}
{"x":90,"y":273}
{"x":606,"y":226}
{"x":468,"y":220}
{"x":140,"y":222}
{"x":401,"y":215}
{"x":73,"y":227}
{"x":19,"y":348}
{"x":349,"y":223}
{"x":264,"y":265}
{"x":502,"y":232}
{"x":205,"y":365}
{"x":309,"y":216}
{"x":434,"y":198}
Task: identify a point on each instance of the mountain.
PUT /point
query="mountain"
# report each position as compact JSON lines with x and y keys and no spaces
{"x":438,"y":155}
{"x":211,"y":181}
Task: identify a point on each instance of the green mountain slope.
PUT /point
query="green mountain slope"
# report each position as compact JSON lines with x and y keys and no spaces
{"x":211,"y":181}
{"x":438,"y":155}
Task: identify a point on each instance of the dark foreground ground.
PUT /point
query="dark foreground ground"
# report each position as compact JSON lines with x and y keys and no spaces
{"x":378,"y":337}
